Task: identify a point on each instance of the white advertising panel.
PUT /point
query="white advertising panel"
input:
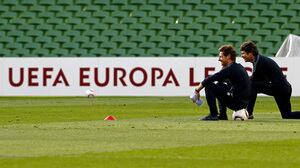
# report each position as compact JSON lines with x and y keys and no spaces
{"x":129,"y":76}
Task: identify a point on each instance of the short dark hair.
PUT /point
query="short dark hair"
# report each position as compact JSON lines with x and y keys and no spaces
{"x":249,"y":47}
{"x":228,"y":49}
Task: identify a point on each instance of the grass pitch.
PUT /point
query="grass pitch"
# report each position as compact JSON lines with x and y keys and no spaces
{"x":150,"y":132}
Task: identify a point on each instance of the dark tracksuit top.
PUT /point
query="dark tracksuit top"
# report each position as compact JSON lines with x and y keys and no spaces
{"x":268,"y":78}
{"x":238,"y":78}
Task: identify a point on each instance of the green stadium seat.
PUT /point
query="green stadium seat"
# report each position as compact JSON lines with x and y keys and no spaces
{"x":295,"y":19}
{"x":269,"y":13}
{"x":21,"y":52}
{"x":174,"y":52}
{"x":205,"y":45}
{"x":83,"y":2}
{"x":195,"y":39}
{"x":45,"y":15}
{"x":63,"y":27}
{"x":211,"y":52}
{"x":83,"y":14}
{"x":202,"y":7}
{"x":175,"y":14}
{"x":204,"y":32}
{"x":78,"y":52}
{"x":166,"y":33}
{"x":128,"y":33}
{"x":90,"y":33}
{"x":147,"y":33}
{"x":155,"y":52}
{"x":176,"y":39}
{"x":156,"y":14}
{"x":92,"y":8}
{"x":119,"y":39}
{"x":10,"y":2}
{"x":54,"y":21}
{"x":234,"y":39}
{"x":250,"y":13}
{"x":100,"y":14}
{"x":222,"y":20}
{"x":9,"y":15}
{"x":263,"y":32}
{"x":128,"y":45}
{"x":137,"y":26}
{"x":296,"y":32}
{"x":5,"y":53}
{"x":156,"y":26}
{"x":267,"y":2}
{"x":285,"y":2}
{"x":271,"y":26}
{"x":129,"y":8}
{"x":129,"y":20}
{"x":100,"y":39}
{"x":118,"y":26}
{"x":290,"y":26}
{"x":215,"y":39}
{"x":51,"y":45}
{"x":281,"y":32}
{"x":184,"y":8}
{"x":165,"y":8}
{"x":46,"y":2}
{"x":32,"y":46}
{"x":80,"y":39}
{"x":15,"y":33}
{"x":119,"y":14}
{"x":13,"y":46}
{"x":240,"y":7}
{"x":294,"y":7}
{"x":280,"y":20}
{"x":100,"y":26}
{"x":166,"y":20}
{"x":7,"y":27}
{"x":273,"y":38}
{"x":248,"y":2}
{"x":185,"y":33}
{"x":194,"y":52}
{"x":72,"y":33}
{"x":254,"y":38}
{"x":43,"y":39}
{"x":3,"y":8}
{"x":147,"y":8}
{"x":19,"y":8}
{"x":147,"y":45}
{"x":64,"y":14}
{"x":193,"y":26}
{"x":33,"y":21}
{"x":259,"y":7}
{"x":34,"y":33}
{"x":221,"y":7}
{"x":138,"y":2}
{"x":98,"y":52}
{"x":60,"y":52}
{"x":277,"y":7}
{"x":73,"y":8}
{"x":213,"y":26}
{"x":119,"y":2}
{"x":231,"y":13}
{"x":70,"y":45}
{"x":156,"y":2}
{"x":109,"y":20}
{"x":108,"y":45}
{"x":241,"y":20}
{"x":65,"y":2}
{"x":224,"y":32}
{"x":194,"y":13}
{"x":136,"y":52}
{"x":62,"y":39}
{"x":230,"y":2}
{"x":185,"y":20}
{"x":157,"y":39}
{"x":185,"y":45}
{"x":175,"y":27}
{"x":212,"y":13}
{"x":166,"y":45}
{"x":117,"y":52}
{"x":41,"y":52}
{"x":137,"y":39}
{"x":203,"y":20}
{"x":260,"y":20}
{"x":22,"y":39}
{"x":109,"y":33}
{"x":252,"y":26}
{"x":55,"y":8}
{"x":288,"y":13}
{"x":28,"y":2}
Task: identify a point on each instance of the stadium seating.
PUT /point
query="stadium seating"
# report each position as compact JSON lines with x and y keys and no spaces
{"x":92,"y":28}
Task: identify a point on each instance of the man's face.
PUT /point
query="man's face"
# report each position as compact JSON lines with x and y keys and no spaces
{"x":248,"y":57}
{"x":224,"y":59}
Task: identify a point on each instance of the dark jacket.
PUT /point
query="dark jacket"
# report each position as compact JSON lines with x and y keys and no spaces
{"x":238,"y":78}
{"x":266,"y":69}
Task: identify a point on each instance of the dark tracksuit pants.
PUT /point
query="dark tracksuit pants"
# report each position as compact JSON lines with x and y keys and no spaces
{"x":220,"y":91}
{"x":282,"y":95}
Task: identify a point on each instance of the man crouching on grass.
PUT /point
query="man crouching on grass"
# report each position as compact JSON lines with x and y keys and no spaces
{"x":236,"y":96}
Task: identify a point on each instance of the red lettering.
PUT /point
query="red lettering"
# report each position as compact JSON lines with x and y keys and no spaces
{"x":207,"y":70}
{"x":46,"y":75}
{"x":106,"y":77}
{"x":121,"y":78}
{"x":82,"y":76}
{"x":10,"y":77}
{"x":153,"y":75}
{"x":171,"y":78}
{"x":144,"y":77}
{"x":192,"y":83}
{"x":58,"y":78}
{"x":32,"y":76}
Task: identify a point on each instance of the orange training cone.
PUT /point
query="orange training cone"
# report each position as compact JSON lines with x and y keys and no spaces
{"x":110,"y":118}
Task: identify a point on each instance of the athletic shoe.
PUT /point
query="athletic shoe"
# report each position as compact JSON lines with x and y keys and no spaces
{"x":250,"y":117}
{"x":210,"y":118}
{"x":222,"y":117}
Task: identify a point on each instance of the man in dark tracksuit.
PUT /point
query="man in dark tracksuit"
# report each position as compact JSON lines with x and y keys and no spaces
{"x":235,"y":95}
{"x":268,"y":78}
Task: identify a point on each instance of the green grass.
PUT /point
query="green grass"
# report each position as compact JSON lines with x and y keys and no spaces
{"x":150,"y":132}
